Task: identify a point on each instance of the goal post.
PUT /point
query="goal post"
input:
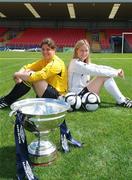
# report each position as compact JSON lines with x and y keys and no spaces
{"x":123,"y":40}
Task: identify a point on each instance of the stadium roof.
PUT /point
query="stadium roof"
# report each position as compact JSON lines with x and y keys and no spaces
{"x":89,"y":10}
{"x":70,"y":1}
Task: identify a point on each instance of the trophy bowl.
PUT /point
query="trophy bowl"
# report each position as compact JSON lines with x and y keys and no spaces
{"x":42,"y":115}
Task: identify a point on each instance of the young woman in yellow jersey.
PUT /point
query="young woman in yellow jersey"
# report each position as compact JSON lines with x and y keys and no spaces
{"x":47,"y":76}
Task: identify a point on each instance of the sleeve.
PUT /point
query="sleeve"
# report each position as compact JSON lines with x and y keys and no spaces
{"x":94,"y":70}
{"x":35,"y":66}
{"x":48,"y":71}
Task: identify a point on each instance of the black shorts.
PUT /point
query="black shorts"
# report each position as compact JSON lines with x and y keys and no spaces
{"x":84,"y":91}
{"x":51,"y":92}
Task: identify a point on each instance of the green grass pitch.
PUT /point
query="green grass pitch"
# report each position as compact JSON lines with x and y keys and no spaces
{"x":106,"y":133}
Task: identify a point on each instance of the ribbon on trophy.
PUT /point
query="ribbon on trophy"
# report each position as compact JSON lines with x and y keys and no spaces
{"x":22,"y":160}
{"x":65,"y":137}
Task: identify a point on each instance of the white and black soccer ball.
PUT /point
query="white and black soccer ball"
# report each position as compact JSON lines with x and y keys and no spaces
{"x":73,"y":100}
{"x":90,"y":101}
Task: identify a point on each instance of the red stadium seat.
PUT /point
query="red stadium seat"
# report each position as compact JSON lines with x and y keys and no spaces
{"x":62,"y":37}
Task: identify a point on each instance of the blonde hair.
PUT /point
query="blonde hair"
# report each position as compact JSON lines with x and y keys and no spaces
{"x":78,"y":44}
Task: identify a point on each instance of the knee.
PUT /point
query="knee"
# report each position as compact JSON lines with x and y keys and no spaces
{"x":40,"y":82}
{"x":102,"y":79}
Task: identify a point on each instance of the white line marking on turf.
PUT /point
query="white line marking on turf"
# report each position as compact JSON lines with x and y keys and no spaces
{"x":112,"y":58}
{"x":17,"y":58}
{"x":39,"y":57}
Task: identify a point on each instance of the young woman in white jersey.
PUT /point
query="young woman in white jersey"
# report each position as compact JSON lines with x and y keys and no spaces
{"x":80,"y":69}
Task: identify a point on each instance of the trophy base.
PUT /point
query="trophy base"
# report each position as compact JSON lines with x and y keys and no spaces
{"x":42,"y":153}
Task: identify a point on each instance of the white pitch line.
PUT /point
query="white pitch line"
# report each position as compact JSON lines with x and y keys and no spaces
{"x":17,"y":58}
{"x":38,"y":57}
{"x":112,"y":58}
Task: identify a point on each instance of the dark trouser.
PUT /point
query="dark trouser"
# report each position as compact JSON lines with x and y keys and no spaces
{"x":84,"y":91}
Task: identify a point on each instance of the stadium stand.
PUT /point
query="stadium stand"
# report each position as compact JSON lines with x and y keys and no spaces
{"x":104,"y":40}
{"x":1,"y":39}
{"x":117,"y":33}
{"x":32,"y":37}
{"x":2,"y":30}
{"x":100,"y":40}
{"x":96,"y":46}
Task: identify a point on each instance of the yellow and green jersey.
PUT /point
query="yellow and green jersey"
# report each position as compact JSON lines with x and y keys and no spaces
{"x":53,"y":71}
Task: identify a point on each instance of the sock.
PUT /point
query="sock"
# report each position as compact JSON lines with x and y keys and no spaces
{"x":112,"y":88}
{"x":18,"y":91}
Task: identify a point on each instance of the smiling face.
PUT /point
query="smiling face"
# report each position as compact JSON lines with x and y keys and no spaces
{"x":48,"y":48}
{"x":82,"y":51}
{"x":47,"y":52}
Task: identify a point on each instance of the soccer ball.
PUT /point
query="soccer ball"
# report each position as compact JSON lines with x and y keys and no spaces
{"x":73,"y":100}
{"x":90,"y":101}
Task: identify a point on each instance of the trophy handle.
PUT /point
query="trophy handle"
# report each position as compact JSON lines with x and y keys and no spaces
{"x":12,"y":113}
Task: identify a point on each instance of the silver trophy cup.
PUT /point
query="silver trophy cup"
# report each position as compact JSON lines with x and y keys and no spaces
{"x":42,"y":115}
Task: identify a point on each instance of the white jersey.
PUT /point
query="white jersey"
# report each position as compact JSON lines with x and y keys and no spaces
{"x":79,"y":74}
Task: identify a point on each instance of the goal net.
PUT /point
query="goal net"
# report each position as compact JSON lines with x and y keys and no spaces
{"x":126,"y":42}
